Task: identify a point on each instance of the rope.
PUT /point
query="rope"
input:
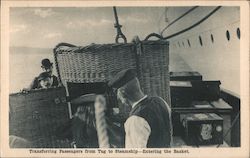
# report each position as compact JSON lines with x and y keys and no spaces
{"x":153,"y":35}
{"x":118,"y":28}
{"x":101,"y":124}
{"x":186,"y":13}
{"x":194,"y":25}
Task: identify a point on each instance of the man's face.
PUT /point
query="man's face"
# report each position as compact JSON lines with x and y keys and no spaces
{"x":48,"y":69}
{"x":46,"y":83}
{"x":121,"y":97}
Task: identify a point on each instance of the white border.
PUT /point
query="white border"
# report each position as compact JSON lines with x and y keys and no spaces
{"x":241,"y":152}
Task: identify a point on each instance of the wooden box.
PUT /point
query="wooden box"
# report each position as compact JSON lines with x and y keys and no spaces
{"x":181,"y":93}
{"x":206,"y":90}
{"x":185,"y":76}
{"x":202,"y":128}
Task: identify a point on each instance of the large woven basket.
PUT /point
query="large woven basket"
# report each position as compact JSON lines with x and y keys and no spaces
{"x":100,"y":62}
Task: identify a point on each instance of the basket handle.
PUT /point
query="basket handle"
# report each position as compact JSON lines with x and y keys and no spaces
{"x":65,"y":44}
{"x":153,"y":35}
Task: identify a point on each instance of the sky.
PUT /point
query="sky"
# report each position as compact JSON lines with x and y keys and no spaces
{"x":45,"y":27}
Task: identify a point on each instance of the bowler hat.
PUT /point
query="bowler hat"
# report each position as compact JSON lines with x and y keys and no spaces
{"x":46,"y":63}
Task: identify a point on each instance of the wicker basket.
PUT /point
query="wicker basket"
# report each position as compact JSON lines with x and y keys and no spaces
{"x":36,"y":116}
{"x":100,"y":62}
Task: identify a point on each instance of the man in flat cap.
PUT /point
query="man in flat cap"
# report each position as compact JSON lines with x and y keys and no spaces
{"x":149,"y":123}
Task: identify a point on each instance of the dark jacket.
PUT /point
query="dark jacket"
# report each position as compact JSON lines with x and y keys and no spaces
{"x":84,"y":135}
{"x":155,"y":112}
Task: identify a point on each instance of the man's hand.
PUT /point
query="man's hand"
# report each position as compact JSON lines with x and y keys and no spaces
{"x":25,"y":90}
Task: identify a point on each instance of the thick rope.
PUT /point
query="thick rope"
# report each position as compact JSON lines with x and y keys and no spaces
{"x":101,"y":124}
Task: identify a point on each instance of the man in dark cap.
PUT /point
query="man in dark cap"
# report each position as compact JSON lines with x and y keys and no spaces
{"x":149,"y":123}
{"x":83,"y":122}
{"x":45,"y":79}
{"x":81,"y":128}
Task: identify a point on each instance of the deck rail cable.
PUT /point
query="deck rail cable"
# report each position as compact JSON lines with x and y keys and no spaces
{"x":233,"y":123}
{"x":174,"y":21}
{"x":194,"y":25}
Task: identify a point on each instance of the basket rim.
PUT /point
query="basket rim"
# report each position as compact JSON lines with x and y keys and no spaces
{"x":95,"y":46}
{"x":32,"y":91}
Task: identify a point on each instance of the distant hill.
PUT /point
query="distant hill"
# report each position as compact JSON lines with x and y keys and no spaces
{"x":30,"y":50}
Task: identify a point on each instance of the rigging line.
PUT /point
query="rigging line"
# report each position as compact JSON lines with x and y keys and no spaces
{"x":190,"y":10}
{"x":194,"y":25}
{"x":233,"y":123}
{"x":159,"y":29}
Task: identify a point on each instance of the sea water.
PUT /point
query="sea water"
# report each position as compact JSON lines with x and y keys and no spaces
{"x":24,"y":67}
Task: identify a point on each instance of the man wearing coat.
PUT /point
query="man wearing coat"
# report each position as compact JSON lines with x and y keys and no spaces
{"x":149,"y":123}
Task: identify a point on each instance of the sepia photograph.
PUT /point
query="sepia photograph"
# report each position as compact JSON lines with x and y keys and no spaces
{"x":149,"y":79}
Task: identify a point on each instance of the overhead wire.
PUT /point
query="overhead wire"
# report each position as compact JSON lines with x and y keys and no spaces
{"x":159,"y":21}
{"x":194,"y":25}
{"x":186,"y":13}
